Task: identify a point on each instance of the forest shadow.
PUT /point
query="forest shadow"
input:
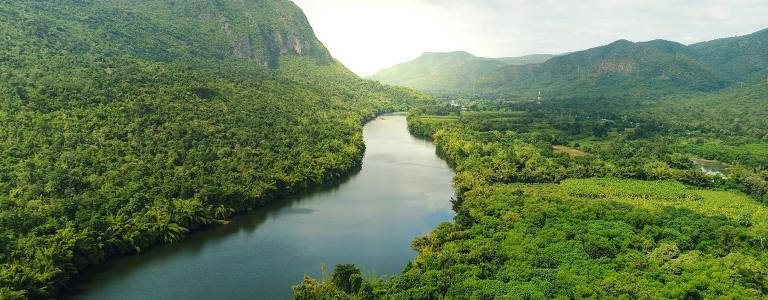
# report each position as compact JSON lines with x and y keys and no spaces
{"x":195,"y":242}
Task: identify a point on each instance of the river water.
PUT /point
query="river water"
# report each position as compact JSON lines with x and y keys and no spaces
{"x":712,"y":167}
{"x":401,"y":192}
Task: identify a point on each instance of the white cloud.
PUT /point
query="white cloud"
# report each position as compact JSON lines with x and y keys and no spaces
{"x":368,"y":35}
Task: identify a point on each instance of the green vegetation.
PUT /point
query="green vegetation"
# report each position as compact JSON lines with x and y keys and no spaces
{"x":443,"y":73}
{"x":735,"y":115}
{"x":524,"y":230}
{"x":740,"y":58}
{"x":593,"y":238}
{"x":128,"y":124}
{"x":593,"y":197}
{"x":565,"y":241}
{"x":623,"y":69}
{"x":124,"y":125}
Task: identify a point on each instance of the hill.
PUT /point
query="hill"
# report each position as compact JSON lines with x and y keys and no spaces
{"x":622,"y":68}
{"x":738,"y":58}
{"x":125,"y":124}
{"x":525,"y":60}
{"x":438,"y":72}
{"x":737,"y":111}
{"x":646,"y":70}
{"x":168,"y":31}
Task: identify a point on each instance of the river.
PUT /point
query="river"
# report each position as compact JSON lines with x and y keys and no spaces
{"x":401,"y":192}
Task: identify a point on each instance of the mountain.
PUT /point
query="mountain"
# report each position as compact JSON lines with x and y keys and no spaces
{"x":259,"y":31}
{"x":739,"y":110}
{"x":737,"y":58}
{"x":525,"y":60}
{"x":127,"y":124}
{"x":442,"y":71}
{"x":620,"y":69}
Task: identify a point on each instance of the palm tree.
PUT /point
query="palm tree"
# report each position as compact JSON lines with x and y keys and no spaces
{"x":161,"y":225}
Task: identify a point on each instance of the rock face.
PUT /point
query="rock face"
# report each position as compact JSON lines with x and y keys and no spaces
{"x":170,"y":30}
{"x":263,"y":41}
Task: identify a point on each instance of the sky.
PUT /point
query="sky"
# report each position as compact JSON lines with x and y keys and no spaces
{"x":370,"y":35}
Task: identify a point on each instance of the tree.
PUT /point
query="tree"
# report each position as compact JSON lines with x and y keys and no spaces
{"x":343,"y":275}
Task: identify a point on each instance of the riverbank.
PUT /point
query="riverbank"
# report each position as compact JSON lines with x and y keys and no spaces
{"x":401,"y":192}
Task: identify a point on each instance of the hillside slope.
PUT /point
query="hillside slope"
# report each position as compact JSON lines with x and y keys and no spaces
{"x":167,"y":31}
{"x":738,"y":58}
{"x":623,"y":69}
{"x":127,"y":124}
{"x":738,"y":111}
{"x":448,"y":71}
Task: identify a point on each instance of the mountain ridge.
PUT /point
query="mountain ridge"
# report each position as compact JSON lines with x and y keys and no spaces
{"x":618,"y":69}
{"x":449,"y":68}
{"x":258,"y":31}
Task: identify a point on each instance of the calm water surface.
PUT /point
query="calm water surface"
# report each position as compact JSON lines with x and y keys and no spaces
{"x":712,"y":167}
{"x":402,"y":191}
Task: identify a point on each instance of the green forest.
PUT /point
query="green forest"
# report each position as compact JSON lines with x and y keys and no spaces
{"x":622,"y":69}
{"x":591,"y":195}
{"x":123,"y":127}
{"x":625,"y":171}
{"x":556,"y":201}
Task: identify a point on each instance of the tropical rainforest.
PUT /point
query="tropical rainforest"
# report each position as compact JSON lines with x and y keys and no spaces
{"x":128,"y":124}
{"x":626,"y":171}
{"x":613,"y":184}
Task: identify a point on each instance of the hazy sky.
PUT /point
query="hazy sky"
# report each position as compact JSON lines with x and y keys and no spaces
{"x":369,"y":35}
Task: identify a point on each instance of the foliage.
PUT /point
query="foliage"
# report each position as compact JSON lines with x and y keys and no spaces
{"x":736,"y":115}
{"x":559,"y":241}
{"x":345,"y":283}
{"x":740,"y":58}
{"x":631,"y":217}
{"x":620,"y":70}
{"x":128,"y":124}
{"x":442,"y":72}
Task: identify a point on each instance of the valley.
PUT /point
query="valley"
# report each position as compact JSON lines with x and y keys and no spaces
{"x":162,"y":149}
{"x":398,"y":194}
{"x":610,"y":182}
{"x":124,"y":126}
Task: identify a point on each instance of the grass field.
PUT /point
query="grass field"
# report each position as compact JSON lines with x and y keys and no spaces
{"x":568,"y":150}
{"x":658,"y":195}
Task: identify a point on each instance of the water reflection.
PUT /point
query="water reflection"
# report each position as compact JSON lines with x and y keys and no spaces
{"x":370,"y":218}
{"x":712,"y":167}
